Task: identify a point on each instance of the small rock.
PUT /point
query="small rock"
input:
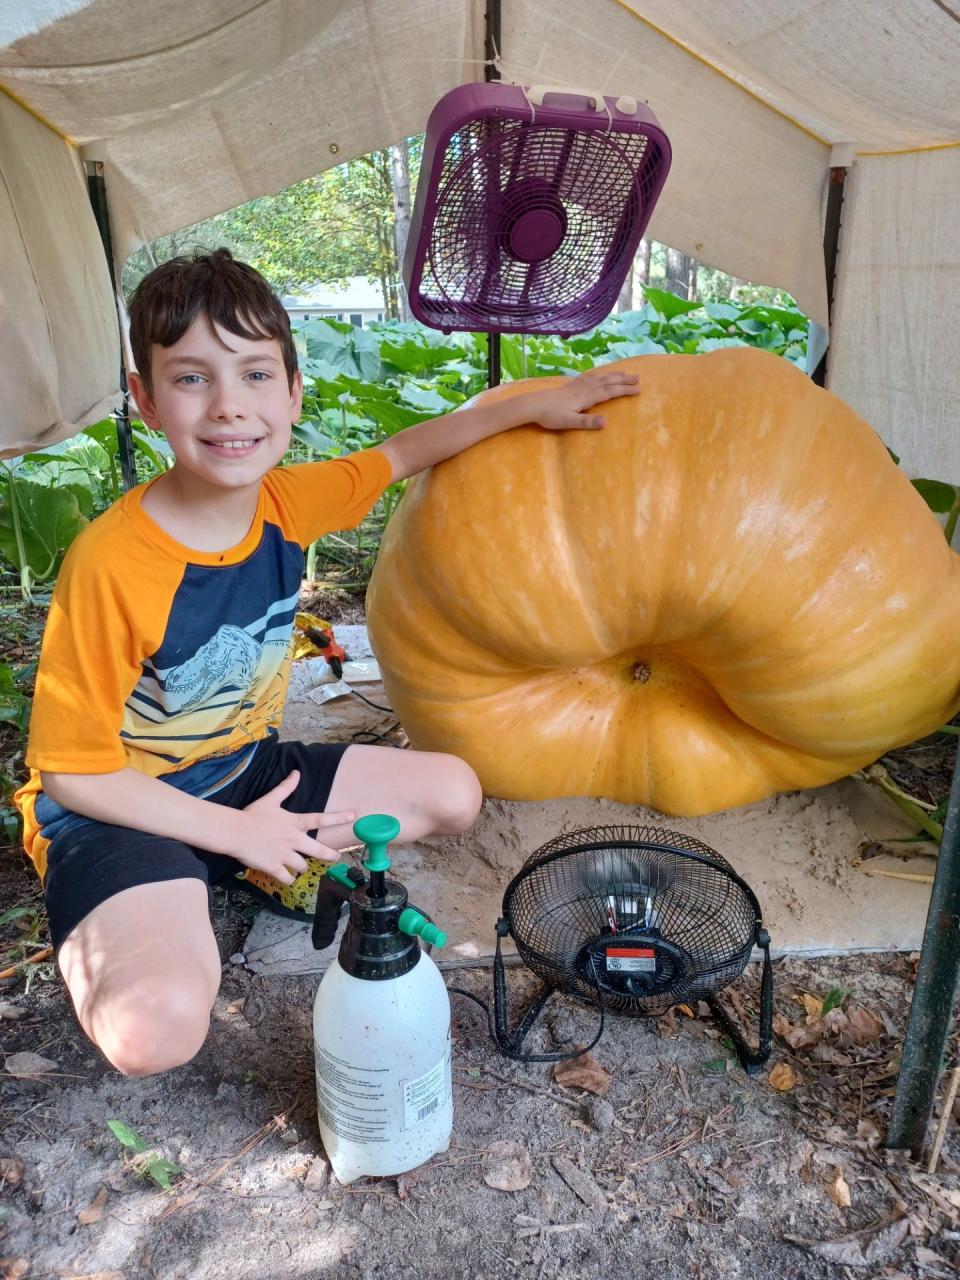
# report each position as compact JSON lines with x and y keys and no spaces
{"x":238,"y":958}
{"x":506,"y":1166}
{"x":599,"y":1114}
{"x":562,"y":1027}
{"x":28,"y":1064}
{"x":318,"y":1175}
{"x":290,"y":1136}
{"x":11,"y":1011}
{"x":12,"y":1169}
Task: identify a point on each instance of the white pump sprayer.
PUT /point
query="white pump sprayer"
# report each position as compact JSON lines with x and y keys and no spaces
{"x":381,"y":1024}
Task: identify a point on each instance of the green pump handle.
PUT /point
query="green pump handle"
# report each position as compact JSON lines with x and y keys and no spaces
{"x":376,"y":830}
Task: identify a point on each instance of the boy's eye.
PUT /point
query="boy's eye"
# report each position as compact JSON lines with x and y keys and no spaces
{"x":190,"y":379}
{"x":258,"y":375}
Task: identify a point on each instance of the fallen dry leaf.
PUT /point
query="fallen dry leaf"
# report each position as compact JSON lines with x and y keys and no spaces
{"x":782,"y":1077}
{"x":824,"y":1052}
{"x":94,"y":1210}
{"x":583,"y":1073}
{"x":13,"y":1268}
{"x":406,"y":1182}
{"x":812,"y":1004}
{"x":868,"y":1134}
{"x":12,"y":1169}
{"x":860,"y":1248}
{"x":28,"y":1064}
{"x":506,"y":1166}
{"x":685,"y":1010}
{"x":863,"y":1027}
{"x":930,"y":1258}
{"x":803,"y":1037}
{"x":838,"y":1191}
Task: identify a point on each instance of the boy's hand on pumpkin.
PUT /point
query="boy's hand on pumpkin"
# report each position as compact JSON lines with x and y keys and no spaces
{"x":272,"y":839}
{"x":567,"y":408}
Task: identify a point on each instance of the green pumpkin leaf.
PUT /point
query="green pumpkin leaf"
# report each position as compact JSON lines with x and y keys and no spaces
{"x":50,"y":519}
{"x":718,"y":344}
{"x":104,"y":433}
{"x":306,"y":432}
{"x":159,"y":1169}
{"x":431,"y":402}
{"x":669,"y":304}
{"x":937,"y":494}
{"x":623,"y":350}
{"x":725,"y":311}
{"x":415,"y":357}
{"x":127,"y":1136}
{"x":833,"y":999}
{"x":393,"y":417}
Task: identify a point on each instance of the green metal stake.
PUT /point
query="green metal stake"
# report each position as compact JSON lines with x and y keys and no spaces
{"x":934,"y":993}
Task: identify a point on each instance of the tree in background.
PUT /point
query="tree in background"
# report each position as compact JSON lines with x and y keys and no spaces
{"x":352,"y":220}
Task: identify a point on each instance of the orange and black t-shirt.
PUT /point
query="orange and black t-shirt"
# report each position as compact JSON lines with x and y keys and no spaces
{"x":173,"y":661}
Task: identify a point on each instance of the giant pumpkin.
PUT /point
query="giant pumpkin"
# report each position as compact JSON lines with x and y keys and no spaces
{"x":730,"y":590}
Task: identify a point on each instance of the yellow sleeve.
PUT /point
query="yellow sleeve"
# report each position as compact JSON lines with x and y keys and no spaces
{"x":314,"y":498}
{"x":108,"y":612}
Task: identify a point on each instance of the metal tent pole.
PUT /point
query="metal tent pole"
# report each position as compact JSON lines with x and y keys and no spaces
{"x":934,"y":993}
{"x":97,"y":190}
{"x":831,"y":244}
{"x":491,"y":50}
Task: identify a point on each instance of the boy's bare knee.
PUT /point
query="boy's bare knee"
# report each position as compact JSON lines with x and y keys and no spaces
{"x":153,"y":1031}
{"x":458,"y":799}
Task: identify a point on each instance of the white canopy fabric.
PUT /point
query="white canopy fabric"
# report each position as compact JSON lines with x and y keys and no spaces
{"x":195,"y":106}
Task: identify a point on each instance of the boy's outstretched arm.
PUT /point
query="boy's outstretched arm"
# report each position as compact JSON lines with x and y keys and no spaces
{"x":563,"y":408}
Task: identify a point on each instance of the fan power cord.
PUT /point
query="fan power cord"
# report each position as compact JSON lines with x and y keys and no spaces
{"x":509,"y":1042}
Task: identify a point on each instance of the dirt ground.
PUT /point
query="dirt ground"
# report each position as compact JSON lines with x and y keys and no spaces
{"x":663,"y":1158}
{"x":685,"y":1164}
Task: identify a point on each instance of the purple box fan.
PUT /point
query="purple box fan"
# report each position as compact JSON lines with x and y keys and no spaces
{"x":529,"y":212}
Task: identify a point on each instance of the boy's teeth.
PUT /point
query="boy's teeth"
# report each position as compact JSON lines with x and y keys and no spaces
{"x":233,"y":444}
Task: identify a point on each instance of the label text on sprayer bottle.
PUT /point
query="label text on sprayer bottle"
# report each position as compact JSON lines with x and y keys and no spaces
{"x":422,"y":1097}
{"x":352,"y":1103}
{"x":350,"y":1099}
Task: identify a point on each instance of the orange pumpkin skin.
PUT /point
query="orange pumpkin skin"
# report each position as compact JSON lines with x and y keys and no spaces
{"x":729,"y":591}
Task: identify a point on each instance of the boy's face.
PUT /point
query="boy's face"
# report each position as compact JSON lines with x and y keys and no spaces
{"x":223,"y":403}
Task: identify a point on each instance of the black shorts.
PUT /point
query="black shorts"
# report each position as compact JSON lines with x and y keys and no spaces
{"x":94,"y":860}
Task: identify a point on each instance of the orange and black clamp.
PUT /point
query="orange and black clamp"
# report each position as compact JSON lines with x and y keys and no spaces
{"x":334,"y":653}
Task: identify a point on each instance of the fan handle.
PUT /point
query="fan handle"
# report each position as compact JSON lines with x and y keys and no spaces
{"x":752,"y":1060}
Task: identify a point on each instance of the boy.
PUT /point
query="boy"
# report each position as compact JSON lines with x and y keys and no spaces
{"x":156,"y":769}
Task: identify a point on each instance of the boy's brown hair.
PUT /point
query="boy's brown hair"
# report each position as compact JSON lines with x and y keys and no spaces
{"x":231,"y":294}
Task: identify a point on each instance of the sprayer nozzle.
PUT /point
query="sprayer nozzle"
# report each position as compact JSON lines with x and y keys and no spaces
{"x":418,"y":926}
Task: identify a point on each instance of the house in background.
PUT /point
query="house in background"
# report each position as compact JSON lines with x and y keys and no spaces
{"x":358,"y":301}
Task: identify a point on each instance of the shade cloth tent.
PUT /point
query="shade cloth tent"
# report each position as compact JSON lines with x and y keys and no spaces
{"x":195,"y":106}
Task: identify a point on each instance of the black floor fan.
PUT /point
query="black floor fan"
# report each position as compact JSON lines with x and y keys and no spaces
{"x":634,"y":920}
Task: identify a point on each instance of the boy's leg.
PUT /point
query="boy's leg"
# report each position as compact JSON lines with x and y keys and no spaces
{"x":129,"y":918}
{"x":143,"y":970}
{"x":431,"y":794}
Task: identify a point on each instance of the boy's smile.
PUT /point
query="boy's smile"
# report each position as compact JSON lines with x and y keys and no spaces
{"x":224,"y":404}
